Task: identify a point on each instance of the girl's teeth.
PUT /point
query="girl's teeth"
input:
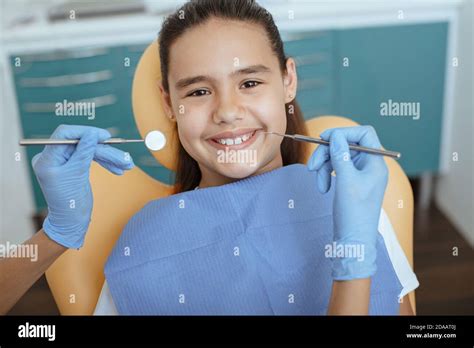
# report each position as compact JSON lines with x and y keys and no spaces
{"x":236,"y":141}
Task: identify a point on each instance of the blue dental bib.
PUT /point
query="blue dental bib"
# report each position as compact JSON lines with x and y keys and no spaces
{"x":253,"y":247}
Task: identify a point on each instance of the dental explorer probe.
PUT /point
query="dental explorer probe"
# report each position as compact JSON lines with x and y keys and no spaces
{"x":307,"y":139}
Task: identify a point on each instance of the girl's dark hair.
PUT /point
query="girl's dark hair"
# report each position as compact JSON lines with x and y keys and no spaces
{"x":197,"y":12}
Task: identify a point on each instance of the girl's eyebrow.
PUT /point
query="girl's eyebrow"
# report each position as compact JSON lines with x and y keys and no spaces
{"x":253,"y":69}
{"x":185,"y":82}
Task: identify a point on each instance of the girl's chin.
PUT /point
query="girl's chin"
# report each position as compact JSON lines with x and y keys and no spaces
{"x":236,"y":170}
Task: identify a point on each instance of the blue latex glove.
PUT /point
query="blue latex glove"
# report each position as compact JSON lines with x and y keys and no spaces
{"x":360,"y":186}
{"x":63,"y":174}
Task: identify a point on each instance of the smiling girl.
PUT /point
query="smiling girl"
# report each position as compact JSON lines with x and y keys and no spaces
{"x":226,"y":82}
{"x":224,"y":65}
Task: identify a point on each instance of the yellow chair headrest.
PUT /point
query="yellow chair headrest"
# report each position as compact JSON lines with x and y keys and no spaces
{"x":147,"y":106}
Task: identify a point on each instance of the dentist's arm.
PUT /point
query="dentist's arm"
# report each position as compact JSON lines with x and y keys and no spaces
{"x":63,"y":175}
{"x":361,"y":180}
{"x":17,"y":275}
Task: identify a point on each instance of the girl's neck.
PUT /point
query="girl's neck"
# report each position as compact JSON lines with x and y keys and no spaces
{"x":210,"y":178}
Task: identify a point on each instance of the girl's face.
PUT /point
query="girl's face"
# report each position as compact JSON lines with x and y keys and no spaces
{"x":225,"y":88}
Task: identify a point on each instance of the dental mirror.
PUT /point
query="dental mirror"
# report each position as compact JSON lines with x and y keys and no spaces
{"x":154,"y":141}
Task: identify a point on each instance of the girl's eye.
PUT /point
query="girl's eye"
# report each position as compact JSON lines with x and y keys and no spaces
{"x":198,"y":93}
{"x":250,"y":84}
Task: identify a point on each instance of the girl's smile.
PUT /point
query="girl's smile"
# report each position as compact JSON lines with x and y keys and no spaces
{"x":236,"y":140}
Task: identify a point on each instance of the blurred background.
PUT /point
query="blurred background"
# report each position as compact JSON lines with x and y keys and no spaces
{"x":352,"y":57}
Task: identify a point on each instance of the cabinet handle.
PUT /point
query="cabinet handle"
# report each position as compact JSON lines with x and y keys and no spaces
{"x":304,"y":85}
{"x":137,"y":48}
{"x":99,"y":102}
{"x":297,"y":36}
{"x":65,"y":54}
{"x":311,"y":59}
{"x":66,"y":80}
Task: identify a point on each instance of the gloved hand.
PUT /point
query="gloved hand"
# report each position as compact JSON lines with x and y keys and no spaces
{"x":361,"y":180}
{"x":63,"y":174}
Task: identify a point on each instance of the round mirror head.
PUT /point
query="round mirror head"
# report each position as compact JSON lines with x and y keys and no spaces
{"x":155,"y":140}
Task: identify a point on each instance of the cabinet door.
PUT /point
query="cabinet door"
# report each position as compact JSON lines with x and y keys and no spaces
{"x":101,"y":77}
{"x":313,"y":52}
{"x":401,"y":64}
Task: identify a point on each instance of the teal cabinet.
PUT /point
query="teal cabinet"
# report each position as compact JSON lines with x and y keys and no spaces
{"x":316,"y":68}
{"x":396,"y":64}
{"x":352,"y":72}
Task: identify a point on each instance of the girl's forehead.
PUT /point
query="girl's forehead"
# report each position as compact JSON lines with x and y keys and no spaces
{"x":219,"y":47}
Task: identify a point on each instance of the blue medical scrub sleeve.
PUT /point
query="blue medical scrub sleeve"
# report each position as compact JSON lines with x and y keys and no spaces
{"x":253,"y":247}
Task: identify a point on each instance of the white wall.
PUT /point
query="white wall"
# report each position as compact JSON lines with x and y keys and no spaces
{"x":454,"y":190}
{"x":16,"y":203}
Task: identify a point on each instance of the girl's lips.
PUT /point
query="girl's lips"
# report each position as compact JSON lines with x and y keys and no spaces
{"x":245,"y":144}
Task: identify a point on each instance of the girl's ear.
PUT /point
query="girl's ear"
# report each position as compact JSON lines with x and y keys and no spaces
{"x":290,"y":80}
{"x":166,"y":103}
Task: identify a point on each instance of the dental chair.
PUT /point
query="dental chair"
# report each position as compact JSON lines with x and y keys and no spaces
{"x":76,"y":278}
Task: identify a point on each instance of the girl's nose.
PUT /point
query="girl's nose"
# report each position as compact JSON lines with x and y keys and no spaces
{"x":228,"y":111}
